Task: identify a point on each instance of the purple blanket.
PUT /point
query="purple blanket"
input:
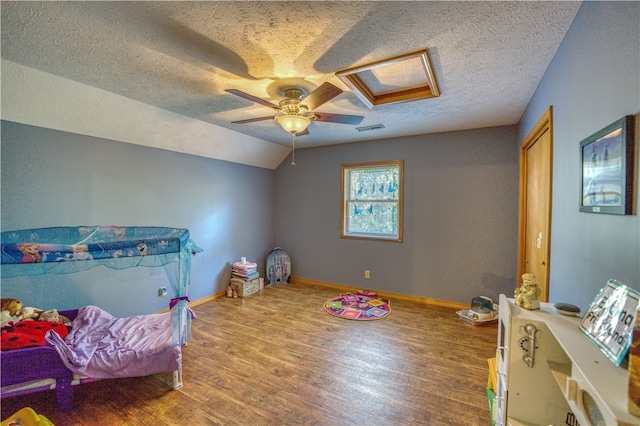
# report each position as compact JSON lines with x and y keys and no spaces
{"x":103,"y":346}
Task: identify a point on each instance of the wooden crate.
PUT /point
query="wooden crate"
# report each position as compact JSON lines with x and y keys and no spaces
{"x":245,"y":288}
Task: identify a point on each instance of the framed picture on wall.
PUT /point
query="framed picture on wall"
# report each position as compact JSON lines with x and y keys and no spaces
{"x":606,"y":175}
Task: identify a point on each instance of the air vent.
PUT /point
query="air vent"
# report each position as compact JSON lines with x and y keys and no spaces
{"x":372,"y":127}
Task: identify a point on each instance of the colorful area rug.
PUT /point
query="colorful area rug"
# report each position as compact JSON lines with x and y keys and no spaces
{"x":361,"y":306}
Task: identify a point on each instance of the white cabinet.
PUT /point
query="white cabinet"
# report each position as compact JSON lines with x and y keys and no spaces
{"x":568,"y":375}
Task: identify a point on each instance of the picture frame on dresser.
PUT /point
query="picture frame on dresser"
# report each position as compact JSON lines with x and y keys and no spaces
{"x":607,"y":169}
{"x":610,"y":320}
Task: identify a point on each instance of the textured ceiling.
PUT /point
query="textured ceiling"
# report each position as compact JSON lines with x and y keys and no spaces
{"x":488,"y":57}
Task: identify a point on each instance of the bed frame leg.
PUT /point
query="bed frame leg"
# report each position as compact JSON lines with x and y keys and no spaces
{"x":177,"y":379}
{"x":64,"y":395}
{"x":177,"y":375}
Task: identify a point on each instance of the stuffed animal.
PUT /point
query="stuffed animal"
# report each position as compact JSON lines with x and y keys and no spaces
{"x":53,"y":315}
{"x":26,"y":334}
{"x":13,"y":312}
{"x":11,"y":305}
{"x":9,"y":308}
{"x":526,"y":296}
{"x":5,"y":318}
{"x":28,"y":313}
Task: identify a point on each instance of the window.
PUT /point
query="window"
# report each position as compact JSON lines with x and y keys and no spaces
{"x":372,"y":201}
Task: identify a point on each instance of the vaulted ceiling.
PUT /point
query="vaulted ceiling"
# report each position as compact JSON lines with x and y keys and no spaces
{"x":487,"y":57}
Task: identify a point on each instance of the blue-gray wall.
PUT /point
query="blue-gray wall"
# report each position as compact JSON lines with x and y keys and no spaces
{"x":460,"y":216}
{"x":593,"y":81}
{"x":52,"y":178}
{"x":460,"y":235}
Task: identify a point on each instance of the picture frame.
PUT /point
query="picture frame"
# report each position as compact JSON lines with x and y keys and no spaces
{"x":610,"y":319}
{"x":607,"y":169}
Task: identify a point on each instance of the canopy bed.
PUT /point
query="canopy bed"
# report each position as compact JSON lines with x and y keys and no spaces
{"x":98,"y":345}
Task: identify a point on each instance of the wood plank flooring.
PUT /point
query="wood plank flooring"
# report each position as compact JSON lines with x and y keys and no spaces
{"x":276,"y":358}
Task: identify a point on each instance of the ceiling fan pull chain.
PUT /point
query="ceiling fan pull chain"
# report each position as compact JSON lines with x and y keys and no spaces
{"x":293,"y":151}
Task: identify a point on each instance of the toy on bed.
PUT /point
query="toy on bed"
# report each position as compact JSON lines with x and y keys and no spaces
{"x":97,"y":345}
{"x":11,"y":312}
{"x":26,"y":327}
{"x":29,"y":333}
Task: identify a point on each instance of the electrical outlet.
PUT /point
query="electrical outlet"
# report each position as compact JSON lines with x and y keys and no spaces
{"x":367,"y":274}
{"x":162,"y":291}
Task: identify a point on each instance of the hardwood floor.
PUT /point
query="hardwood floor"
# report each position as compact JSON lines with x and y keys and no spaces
{"x":276,"y":358}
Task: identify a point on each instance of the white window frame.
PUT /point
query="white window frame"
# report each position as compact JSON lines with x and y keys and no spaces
{"x":345,"y":232}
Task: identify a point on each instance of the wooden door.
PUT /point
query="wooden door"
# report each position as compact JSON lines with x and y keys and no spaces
{"x":535,"y":203}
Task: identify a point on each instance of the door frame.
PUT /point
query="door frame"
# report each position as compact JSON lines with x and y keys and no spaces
{"x":545,"y":123}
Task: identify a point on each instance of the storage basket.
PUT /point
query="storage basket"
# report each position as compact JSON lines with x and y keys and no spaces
{"x":245,"y":288}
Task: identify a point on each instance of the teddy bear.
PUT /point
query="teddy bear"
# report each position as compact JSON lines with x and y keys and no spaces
{"x":526,"y":296}
{"x":12,"y":312}
{"x":8,"y":309}
{"x":28,"y":313}
{"x":10,"y":305}
{"x":53,"y":315}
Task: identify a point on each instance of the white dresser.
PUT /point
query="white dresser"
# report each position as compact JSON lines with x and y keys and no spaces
{"x":567,"y":376}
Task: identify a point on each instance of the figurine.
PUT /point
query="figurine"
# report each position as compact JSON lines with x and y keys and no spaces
{"x":229,"y":291}
{"x":526,"y":296}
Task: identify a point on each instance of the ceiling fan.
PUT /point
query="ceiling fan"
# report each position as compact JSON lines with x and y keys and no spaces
{"x":296,"y":111}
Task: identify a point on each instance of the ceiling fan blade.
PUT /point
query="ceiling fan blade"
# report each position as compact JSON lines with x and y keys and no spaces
{"x":304,"y":132}
{"x":251,"y":120}
{"x":338,"y":118}
{"x":252,"y":98}
{"x":324,"y":93}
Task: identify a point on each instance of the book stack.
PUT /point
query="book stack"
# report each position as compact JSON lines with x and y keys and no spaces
{"x":245,"y":279}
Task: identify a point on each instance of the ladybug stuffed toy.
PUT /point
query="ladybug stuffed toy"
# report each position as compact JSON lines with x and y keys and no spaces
{"x":27,"y":334}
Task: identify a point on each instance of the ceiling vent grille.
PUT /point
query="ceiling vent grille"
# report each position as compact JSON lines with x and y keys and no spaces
{"x":372,"y":127}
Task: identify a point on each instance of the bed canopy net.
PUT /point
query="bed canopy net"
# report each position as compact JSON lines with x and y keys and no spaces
{"x":66,"y":250}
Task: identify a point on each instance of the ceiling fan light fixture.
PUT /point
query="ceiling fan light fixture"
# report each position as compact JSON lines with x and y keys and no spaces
{"x":293,"y":123}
